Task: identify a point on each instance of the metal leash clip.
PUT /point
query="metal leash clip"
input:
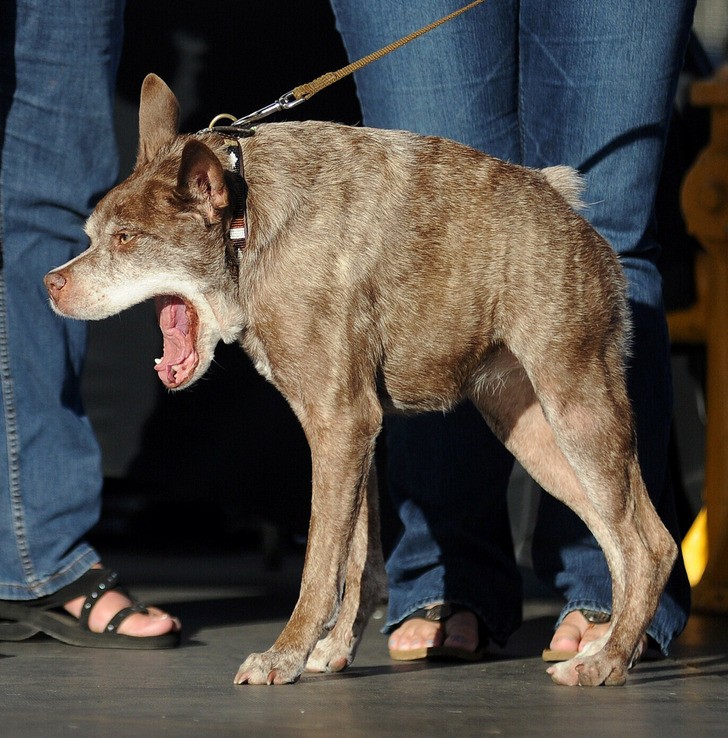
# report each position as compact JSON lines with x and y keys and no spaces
{"x":284,"y":102}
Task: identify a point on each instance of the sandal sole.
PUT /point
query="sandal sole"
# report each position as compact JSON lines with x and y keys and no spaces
{"x":437,"y":652}
{"x":552,"y":655}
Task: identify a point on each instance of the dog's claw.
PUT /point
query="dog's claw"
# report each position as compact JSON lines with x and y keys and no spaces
{"x":331,"y":654}
{"x":564,"y":677}
{"x":267,"y":668}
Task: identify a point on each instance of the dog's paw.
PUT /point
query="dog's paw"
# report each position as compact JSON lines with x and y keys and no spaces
{"x":331,"y":654}
{"x":271,"y":667}
{"x":590,"y":671}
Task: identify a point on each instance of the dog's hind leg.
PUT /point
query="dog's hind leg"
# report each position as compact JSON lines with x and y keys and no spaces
{"x":342,"y":449}
{"x":365,"y":587}
{"x":575,"y":439}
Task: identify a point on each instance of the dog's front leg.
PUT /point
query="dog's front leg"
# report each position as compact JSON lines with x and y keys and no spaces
{"x":341,"y":450}
{"x":365,"y":587}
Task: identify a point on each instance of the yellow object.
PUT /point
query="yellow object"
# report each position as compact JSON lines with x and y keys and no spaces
{"x":695,"y":548}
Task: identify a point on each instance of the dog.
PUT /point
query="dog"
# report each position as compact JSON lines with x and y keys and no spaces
{"x":383,"y":271}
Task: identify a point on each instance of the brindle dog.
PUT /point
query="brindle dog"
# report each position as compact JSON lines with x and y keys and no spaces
{"x":385,"y":271}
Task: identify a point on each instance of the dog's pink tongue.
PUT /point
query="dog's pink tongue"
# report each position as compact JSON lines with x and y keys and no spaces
{"x":180,"y":358}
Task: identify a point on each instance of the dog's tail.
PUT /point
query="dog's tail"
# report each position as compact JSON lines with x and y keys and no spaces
{"x":568,"y":183}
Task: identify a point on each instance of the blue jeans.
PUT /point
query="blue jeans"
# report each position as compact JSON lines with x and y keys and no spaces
{"x":58,"y":64}
{"x":536,"y":82}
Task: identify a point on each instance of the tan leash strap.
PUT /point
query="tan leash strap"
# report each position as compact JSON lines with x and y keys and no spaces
{"x":305,"y":92}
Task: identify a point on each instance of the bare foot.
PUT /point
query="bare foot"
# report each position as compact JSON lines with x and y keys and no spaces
{"x":460,"y":630}
{"x":155,"y":623}
{"x":575,"y":632}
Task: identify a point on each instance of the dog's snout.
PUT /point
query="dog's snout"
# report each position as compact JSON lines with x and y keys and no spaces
{"x":54,"y":282}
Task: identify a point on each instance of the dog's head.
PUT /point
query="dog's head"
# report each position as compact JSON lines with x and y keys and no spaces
{"x":161,"y":234}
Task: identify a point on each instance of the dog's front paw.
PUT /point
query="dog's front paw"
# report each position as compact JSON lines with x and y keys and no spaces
{"x":590,"y":671}
{"x":271,"y":667}
{"x":332,"y":654}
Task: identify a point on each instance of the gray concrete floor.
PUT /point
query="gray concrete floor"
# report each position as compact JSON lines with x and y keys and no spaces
{"x":231,"y":605}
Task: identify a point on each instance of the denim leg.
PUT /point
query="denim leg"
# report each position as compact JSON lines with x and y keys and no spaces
{"x":458,"y":81}
{"x":447,"y":474}
{"x":58,"y":153}
{"x":597,"y":88}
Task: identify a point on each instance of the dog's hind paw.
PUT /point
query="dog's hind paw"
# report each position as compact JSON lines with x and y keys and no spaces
{"x":271,"y":667}
{"x":590,"y":671}
{"x":330,"y":655}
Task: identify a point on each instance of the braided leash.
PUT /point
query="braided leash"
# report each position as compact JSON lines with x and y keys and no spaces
{"x":306,"y":91}
{"x":238,"y":229}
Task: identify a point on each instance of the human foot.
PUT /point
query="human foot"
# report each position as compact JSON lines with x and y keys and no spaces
{"x":93,"y":611}
{"x":576,"y":632}
{"x":438,"y":631}
{"x":153,"y":622}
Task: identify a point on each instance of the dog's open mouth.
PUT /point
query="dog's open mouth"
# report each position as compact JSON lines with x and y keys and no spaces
{"x":178,"y":323}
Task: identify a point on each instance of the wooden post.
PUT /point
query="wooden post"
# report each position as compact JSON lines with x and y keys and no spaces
{"x":705,"y":205}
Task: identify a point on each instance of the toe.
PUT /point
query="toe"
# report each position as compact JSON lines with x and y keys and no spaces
{"x":462,"y":631}
{"x":154,"y":623}
{"x":570,"y":633}
{"x":415,"y":633}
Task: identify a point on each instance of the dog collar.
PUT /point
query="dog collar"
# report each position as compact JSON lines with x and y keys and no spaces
{"x":238,"y":231}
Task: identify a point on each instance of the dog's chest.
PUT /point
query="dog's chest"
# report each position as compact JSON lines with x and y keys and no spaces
{"x":255,"y":349}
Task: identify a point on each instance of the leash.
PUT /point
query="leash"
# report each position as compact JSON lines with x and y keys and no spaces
{"x":305,"y":92}
{"x":238,"y":230}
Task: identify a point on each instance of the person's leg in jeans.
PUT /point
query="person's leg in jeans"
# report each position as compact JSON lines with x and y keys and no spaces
{"x":597,"y":88}
{"x":447,"y":475}
{"x":58,"y":64}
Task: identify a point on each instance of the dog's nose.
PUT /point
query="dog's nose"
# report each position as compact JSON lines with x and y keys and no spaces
{"x":54,"y":283}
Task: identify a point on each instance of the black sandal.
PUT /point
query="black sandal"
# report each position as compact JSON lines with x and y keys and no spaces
{"x":438,"y":613}
{"x":22,"y":619}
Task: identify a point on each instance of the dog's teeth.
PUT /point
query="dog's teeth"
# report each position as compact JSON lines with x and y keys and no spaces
{"x":157,"y":361}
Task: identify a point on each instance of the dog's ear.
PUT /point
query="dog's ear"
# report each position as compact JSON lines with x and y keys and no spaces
{"x":158,"y":117}
{"x":201,"y":180}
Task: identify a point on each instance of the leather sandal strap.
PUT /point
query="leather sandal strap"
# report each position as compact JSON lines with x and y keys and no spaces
{"x":123,"y":614}
{"x":104,"y":581}
{"x":78,"y":588}
{"x":434,"y":613}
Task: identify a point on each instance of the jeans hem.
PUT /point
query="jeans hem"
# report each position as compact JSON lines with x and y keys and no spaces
{"x":83,"y":561}
{"x":499,"y":634}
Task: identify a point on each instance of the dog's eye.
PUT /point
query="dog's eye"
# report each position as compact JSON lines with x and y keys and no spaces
{"x":125,"y":238}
